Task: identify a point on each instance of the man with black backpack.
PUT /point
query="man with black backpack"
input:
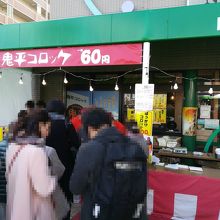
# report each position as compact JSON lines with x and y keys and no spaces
{"x":110,"y":172}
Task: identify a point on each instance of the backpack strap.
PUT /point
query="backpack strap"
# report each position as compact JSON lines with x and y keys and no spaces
{"x":14,"y":158}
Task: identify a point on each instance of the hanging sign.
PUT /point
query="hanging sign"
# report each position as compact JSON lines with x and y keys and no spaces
{"x":144,"y":97}
{"x":104,"y":55}
{"x":145,"y":121}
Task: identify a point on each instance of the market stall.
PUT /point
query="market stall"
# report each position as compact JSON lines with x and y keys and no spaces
{"x":182,"y":194}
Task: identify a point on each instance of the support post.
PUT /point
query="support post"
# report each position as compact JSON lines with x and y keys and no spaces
{"x":190,"y":109}
{"x":146,"y":63}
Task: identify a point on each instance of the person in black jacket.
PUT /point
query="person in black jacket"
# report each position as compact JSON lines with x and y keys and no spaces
{"x":91,"y":156}
{"x":3,"y":147}
{"x":64,"y":139}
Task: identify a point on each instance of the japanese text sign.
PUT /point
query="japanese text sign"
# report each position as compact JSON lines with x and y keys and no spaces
{"x":205,"y":111}
{"x":160,"y":101}
{"x":160,"y":116}
{"x":145,"y":121}
{"x":144,"y":97}
{"x":120,"y":54}
{"x":130,"y":114}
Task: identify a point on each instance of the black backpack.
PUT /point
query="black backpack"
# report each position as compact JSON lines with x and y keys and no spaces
{"x":120,"y":190}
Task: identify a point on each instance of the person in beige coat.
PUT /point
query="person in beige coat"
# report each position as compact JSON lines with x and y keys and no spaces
{"x":29,"y":183}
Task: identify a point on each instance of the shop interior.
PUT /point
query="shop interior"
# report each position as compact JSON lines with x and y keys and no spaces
{"x":169,"y":61}
{"x":170,"y":122}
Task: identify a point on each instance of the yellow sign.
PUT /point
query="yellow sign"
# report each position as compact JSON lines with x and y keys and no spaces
{"x":130,"y":114}
{"x":160,"y":116}
{"x":160,"y":101}
{"x":1,"y":133}
{"x":145,"y":122}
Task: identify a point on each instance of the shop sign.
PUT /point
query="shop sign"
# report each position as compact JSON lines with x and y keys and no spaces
{"x":104,"y":55}
{"x":108,"y":100}
{"x":205,"y":111}
{"x":160,"y":116}
{"x":160,"y":101}
{"x":218,"y":23}
{"x":74,"y":98}
{"x":145,"y":121}
{"x":1,"y":134}
{"x":160,"y":105}
{"x":212,"y":123}
{"x":144,"y":97}
{"x":130,"y":114}
{"x":189,"y":121}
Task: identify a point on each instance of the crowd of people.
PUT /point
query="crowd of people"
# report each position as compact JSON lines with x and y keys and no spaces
{"x":51,"y":156}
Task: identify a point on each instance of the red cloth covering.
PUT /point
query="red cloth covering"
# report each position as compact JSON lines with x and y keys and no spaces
{"x":171,"y":189}
{"x":183,"y":196}
{"x":77,"y":123}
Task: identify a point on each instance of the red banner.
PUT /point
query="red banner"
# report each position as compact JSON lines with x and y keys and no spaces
{"x":179,"y":196}
{"x":118,"y":54}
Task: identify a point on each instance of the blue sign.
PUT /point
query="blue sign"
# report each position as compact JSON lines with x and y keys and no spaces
{"x":109,"y":100}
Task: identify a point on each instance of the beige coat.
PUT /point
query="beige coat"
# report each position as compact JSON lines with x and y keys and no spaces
{"x":29,"y":184}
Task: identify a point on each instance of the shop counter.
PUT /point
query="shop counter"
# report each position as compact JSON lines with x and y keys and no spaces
{"x":167,"y":133}
{"x":189,"y":155}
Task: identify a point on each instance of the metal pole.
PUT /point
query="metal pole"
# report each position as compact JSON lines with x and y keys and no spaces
{"x":146,"y":63}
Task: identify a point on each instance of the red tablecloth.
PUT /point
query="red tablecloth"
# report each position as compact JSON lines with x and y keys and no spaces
{"x":181,"y":196}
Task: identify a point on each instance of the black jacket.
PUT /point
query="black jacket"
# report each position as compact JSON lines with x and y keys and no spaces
{"x":88,"y":163}
{"x":62,"y":138}
{"x":3,"y":147}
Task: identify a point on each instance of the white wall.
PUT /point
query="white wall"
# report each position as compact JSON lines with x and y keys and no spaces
{"x":13,"y":96}
{"x":196,"y":2}
{"x":78,"y":8}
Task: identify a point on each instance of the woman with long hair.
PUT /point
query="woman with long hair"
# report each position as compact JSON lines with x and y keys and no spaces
{"x":29,"y":183}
